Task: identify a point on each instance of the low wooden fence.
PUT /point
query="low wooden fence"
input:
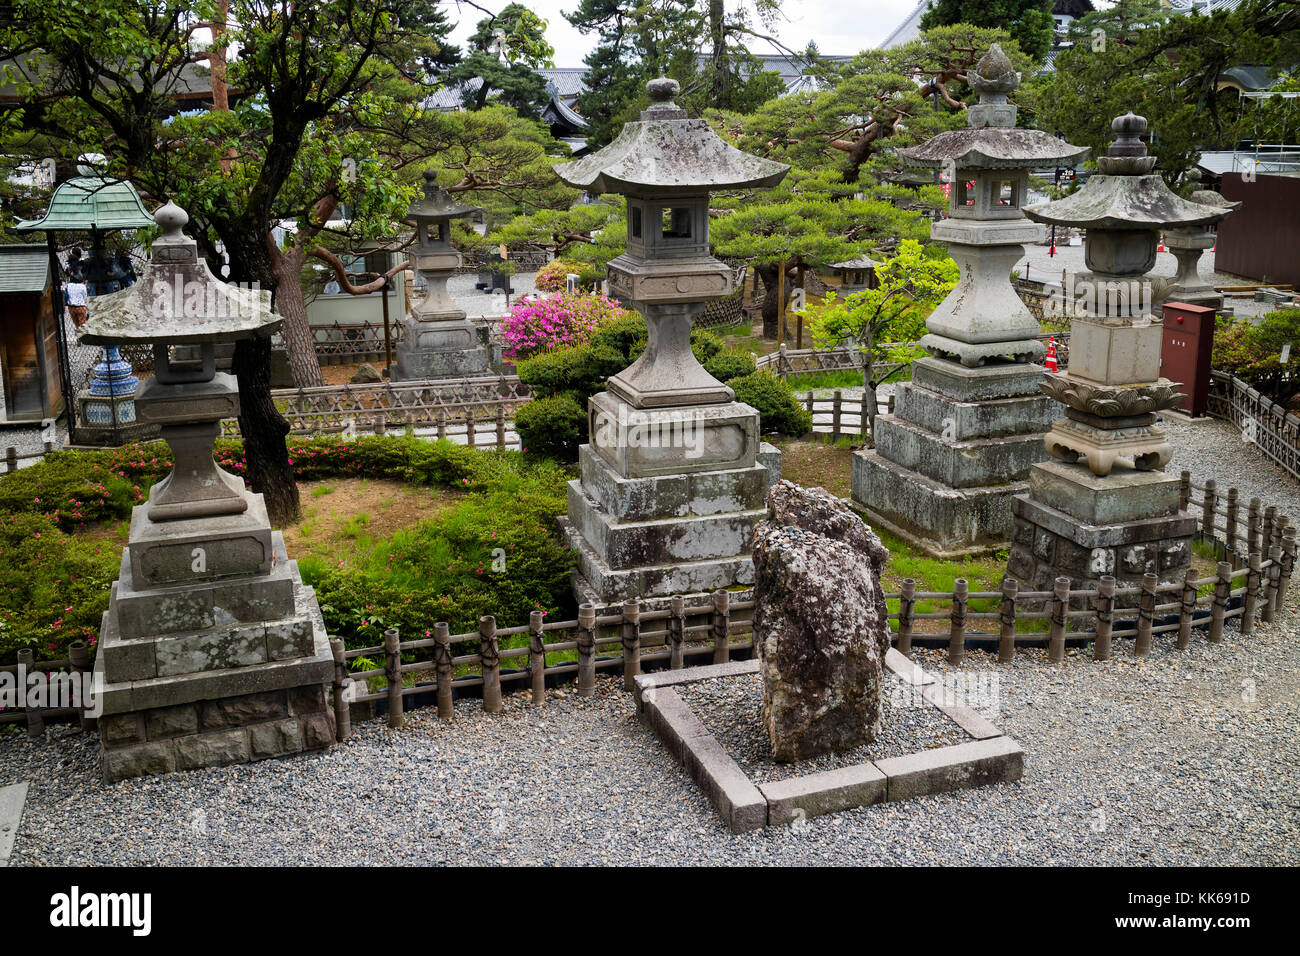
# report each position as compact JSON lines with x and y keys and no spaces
{"x":12,"y":458}
{"x":839,"y":417}
{"x":668,"y":636}
{"x":35,"y":718}
{"x":481,"y":408}
{"x":1274,"y":430}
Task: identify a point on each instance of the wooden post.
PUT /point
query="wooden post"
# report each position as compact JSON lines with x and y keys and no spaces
{"x":721,"y":626}
{"x":957,"y":622}
{"x":469,"y":428}
{"x":537,"y":657}
{"x":1184,"y":490}
{"x":1270,"y":523}
{"x":1207,"y":507}
{"x":1105,"y":617}
{"x":381,"y":424}
{"x":1219,"y":607}
{"x":1230,"y":523}
{"x":836,"y":404}
{"x":1187,"y":610}
{"x":442,"y":425}
{"x":1056,"y":637}
{"x":1273,"y":578}
{"x":489,"y":655}
{"x":79,"y":660}
{"x":393,"y":672}
{"x":11,"y":460}
{"x":677,"y":632}
{"x":35,"y":719}
{"x":780,"y":302}
{"x":1146,"y":614}
{"x":631,"y":642}
{"x":587,"y":650}
{"x":442,"y":662}
{"x":1007,"y":618}
{"x":501,"y":428}
{"x":1252,"y":593}
{"x":1252,"y":526}
{"x":342,"y":709}
{"x":1288,"y":564}
{"x":906,"y":604}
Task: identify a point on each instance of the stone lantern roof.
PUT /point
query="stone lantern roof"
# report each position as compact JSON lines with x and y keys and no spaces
{"x":992,"y":140}
{"x":666,"y":152}
{"x":178,"y":300}
{"x":1126,"y":193}
{"x":437,"y":203}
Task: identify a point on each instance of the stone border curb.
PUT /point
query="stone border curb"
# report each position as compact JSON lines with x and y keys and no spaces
{"x":12,"y":800}
{"x":989,"y":757}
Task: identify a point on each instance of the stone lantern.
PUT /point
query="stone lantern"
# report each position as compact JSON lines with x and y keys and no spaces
{"x":671,"y":480}
{"x":1187,"y":243}
{"x":212,"y":650}
{"x":969,"y":425}
{"x":1080,"y":519}
{"x":438,"y":341}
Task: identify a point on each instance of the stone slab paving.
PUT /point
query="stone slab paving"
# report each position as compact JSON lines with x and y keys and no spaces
{"x":12,"y":799}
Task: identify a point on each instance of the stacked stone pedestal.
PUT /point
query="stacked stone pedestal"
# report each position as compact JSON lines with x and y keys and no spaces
{"x":958,"y":447}
{"x":454,"y":348}
{"x":653,"y":515}
{"x":1082,"y":526}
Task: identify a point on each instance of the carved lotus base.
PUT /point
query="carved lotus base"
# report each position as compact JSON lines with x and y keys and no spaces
{"x":1069,"y":441}
{"x":1111,"y":401}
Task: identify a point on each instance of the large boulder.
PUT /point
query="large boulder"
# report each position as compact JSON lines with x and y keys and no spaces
{"x":820,"y":623}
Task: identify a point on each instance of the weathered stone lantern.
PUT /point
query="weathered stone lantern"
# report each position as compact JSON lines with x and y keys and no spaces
{"x":1187,"y":243}
{"x":968,"y":426}
{"x":1083,"y":520}
{"x":671,"y":481}
{"x":212,"y":650}
{"x":438,"y":340}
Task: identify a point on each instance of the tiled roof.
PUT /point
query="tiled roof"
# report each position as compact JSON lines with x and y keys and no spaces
{"x":24,"y":268}
{"x":87,"y":201}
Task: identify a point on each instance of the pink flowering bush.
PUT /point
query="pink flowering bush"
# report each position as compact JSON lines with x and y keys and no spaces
{"x":568,"y":318}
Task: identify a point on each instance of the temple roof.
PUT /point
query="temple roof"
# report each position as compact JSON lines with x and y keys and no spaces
{"x":91,"y":201}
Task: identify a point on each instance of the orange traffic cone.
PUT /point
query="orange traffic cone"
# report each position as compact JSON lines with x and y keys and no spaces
{"x":1160,"y":246}
{"x":1050,"y":362}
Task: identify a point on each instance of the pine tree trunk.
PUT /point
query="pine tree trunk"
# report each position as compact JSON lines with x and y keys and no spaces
{"x":264,"y":430}
{"x":292,"y":306}
{"x":770,"y":314}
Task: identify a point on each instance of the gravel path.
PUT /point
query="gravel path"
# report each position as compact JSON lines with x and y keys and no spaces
{"x":1181,"y":758}
{"x":730,"y":709}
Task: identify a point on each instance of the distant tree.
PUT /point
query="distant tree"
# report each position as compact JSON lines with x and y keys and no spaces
{"x":505,"y":52}
{"x":1029,"y":21}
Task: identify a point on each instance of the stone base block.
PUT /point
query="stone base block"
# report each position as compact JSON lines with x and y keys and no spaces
{"x":985,"y":418}
{"x":941,"y":520}
{"x":1002,"y":380}
{"x":1048,"y":543}
{"x":957,"y":463}
{"x":641,"y":443}
{"x":1145,"y":445}
{"x":196,"y":551}
{"x":1125,"y":496}
{"x":416,"y":366}
{"x":1115,"y":352}
{"x":703,"y":493}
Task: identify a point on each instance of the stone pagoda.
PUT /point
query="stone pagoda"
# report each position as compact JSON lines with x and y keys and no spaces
{"x":967,"y":427}
{"x":673,"y":478}
{"x":212,"y":650}
{"x":1082,"y":518}
{"x":438,"y":340}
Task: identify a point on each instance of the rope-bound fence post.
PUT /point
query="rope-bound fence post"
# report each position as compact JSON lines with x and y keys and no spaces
{"x":1184,"y":490}
{"x":79,"y":661}
{"x":1105,"y":616}
{"x":836,"y":405}
{"x":1187,"y":609}
{"x":489,"y":655}
{"x":721,"y":626}
{"x":469,"y":428}
{"x":677,"y":633}
{"x":587,"y":650}
{"x":501,"y":428}
{"x":1252,"y":525}
{"x":1007,"y":618}
{"x":1056,"y":637}
{"x":35,"y":719}
{"x":442,"y":424}
{"x":342,"y":710}
{"x":1274,"y":577}
{"x":1253,"y":588}
{"x":906,"y":606}
{"x":1146,"y":614}
{"x":957,"y":622}
{"x":442,"y":663}
{"x":393,"y":673}
{"x":1270,"y":524}
{"x":1208,"y":506}
{"x":537,"y":657}
{"x":1230,"y":523}
{"x":1219,"y":606}
{"x":631,"y":642}
{"x":1288,"y":563}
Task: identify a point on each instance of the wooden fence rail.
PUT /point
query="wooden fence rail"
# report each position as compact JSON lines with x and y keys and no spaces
{"x":1274,"y":430}
{"x":12,"y":458}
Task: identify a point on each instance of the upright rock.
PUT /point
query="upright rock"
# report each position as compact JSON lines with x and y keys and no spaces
{"x":820,"y":623}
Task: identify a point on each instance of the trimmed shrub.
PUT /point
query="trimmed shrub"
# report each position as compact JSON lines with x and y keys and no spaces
{"x":728,"y":365}
{"x":778,"y":410}
{"x":554,"y":426}
{"x":552,"y":277}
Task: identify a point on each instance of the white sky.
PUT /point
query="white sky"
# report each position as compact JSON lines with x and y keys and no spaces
{"x":838,"y":26}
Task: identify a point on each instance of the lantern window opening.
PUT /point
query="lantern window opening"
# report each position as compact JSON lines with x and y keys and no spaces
{"x":676,"y":222}
{"x":634,"y":223}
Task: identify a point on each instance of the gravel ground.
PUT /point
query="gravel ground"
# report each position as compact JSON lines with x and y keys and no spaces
{"x":1181,"y":758}
{"x":730,"y":708}
{"x":1212,"y":448}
